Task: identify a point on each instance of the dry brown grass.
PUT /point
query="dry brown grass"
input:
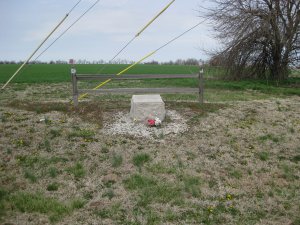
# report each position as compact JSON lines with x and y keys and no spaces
{"x":236,"y":164}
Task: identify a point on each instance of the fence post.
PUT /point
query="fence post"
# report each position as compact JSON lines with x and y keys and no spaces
{"x":201,"y":86}
{"x":75,"y":89}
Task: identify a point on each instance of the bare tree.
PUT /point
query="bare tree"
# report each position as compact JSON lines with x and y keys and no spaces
{"x":260,"y":37}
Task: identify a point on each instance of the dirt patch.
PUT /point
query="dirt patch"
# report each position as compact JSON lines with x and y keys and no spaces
{"x":89,"y":111}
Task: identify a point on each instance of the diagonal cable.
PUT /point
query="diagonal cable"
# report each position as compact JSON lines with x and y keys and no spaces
{"x":35,"y":51}
{"x":137,"y":35}
{"x":74,"y":6}
{"x":56,"y":39}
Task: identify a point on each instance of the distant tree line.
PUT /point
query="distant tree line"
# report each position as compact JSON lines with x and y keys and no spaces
{"x":190,"y":61}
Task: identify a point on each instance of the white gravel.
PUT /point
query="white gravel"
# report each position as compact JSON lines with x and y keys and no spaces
{"x":124,"y":125}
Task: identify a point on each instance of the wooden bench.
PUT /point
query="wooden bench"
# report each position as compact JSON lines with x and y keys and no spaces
{"x":103,"y":77}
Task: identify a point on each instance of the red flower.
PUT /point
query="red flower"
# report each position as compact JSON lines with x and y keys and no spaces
{"x":151,"y":123}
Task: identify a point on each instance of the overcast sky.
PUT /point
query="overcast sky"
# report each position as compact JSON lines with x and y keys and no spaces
{"x":103,"y":31}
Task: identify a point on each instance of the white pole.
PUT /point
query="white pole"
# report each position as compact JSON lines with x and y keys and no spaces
{"x":34,"y":52}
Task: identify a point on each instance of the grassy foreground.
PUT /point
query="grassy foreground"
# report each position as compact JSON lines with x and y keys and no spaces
{"x":238,"y":162}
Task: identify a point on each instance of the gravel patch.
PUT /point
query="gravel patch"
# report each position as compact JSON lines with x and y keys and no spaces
{"x":124,"y":125}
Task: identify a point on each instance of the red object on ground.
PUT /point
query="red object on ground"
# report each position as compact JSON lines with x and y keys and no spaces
{"x":151,"y":123}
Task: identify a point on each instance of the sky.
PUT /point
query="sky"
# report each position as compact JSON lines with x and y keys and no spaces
{"x":102,"y":32}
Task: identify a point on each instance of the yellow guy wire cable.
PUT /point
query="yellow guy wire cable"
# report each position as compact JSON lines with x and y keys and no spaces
{"x":57,"y":26}
{"x":118,"y":74}
{"x":151,"y":21}
{"x":137,"y":34}
{"x":18,"y":70}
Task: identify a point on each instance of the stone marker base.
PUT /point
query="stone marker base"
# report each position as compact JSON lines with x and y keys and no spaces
{"x":144,"y":107}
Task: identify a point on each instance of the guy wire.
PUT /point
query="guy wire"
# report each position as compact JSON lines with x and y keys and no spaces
{"x":26,"y":61}
{"x":137,"y":35}
{"x":56,"y":39}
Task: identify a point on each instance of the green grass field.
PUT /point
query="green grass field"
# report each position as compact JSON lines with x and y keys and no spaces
{"x":61,"y":73}
{"x":45,"y":73}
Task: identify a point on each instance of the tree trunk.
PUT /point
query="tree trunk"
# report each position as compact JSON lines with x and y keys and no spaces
{"x":279,"y":71}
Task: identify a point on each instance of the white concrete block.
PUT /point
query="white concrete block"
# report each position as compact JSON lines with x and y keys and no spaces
{"x":144,"y":107}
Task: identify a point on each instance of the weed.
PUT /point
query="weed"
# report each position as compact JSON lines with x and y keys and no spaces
{"x":4,"y":119}
{"x":9,"y":151}
{"x":171,"y":216}
{"x":140,"y":159}
{"x":109,"y":194}
{"x":77,"y":204}
{"x":55,"y":133}
{"x":235,"y":174}
{"x":162,"y":192}
{"x":22,"y":143}
{"x":30,"y":176}
{"x":103,"y":213}
{"x":77,"y":170}
{"x":259,"y":194}
{"x":104,"y":149}
{"x":292,"y":130}
{"x":116,"y":161}
{"x":249,"y":172}
{"x":53,"y":187}
{"x":138,"y":182}
{"x":85,"y":134}
{"x":296,"y":159}
{"x":53,"y":172}
{"x":45,"y":145}
{"x":269,"y":137}
{"x":161,"y":135}
{"x":109,"y":183}
{"x":192,"y":185}
{"x":296,"y":221}
{"x":48,"y":121}
{"x":27,"y":161}
{"x":190,"y":155}
{"x":244,"y":162}
{"x":152,"y":217}
{"x":140,"y":147}
{"x":288,"y":172}
{"x":103,"y":158}
{"x":30,"y":203}
{"x":212,"y":183}
{"x":3,"y":197}
{"x":159,"y":168}
{"x":263,"y":156}
{"x":115,"y":212}
{"x":151,"y":190}
{"x":180,"y":162}
{"x":88,"y":195}
{"x":31,"y":130}
{"x":271,"y":194}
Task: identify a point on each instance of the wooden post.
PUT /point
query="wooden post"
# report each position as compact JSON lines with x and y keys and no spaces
{"x":75,"y":89}
{"x":201,"y":86}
